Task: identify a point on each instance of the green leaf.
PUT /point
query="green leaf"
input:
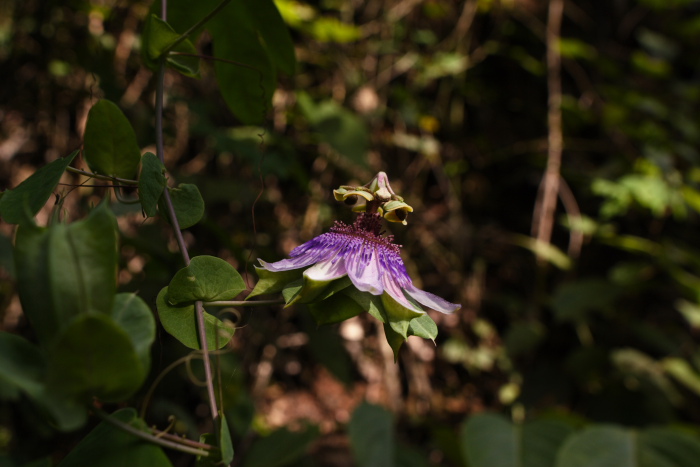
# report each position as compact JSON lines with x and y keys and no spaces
{"x":250,"y":33}
{"x":74,"y":266}
{"x":208,"y":279}
{"x":111,"y":446}
{"x":31,"y":266}
{"x":490,"y":439}
{"x":372,"y":436}
{"x":158,"y":36}
{"x":188,"y":204}
{"x":24,"y":201}
{"x":274,"y":33}
{"x":214,"y":457}
{"x":614,"y":446}
{"x":341,"y":129}
{"x":247,"y":81}
{"x":152,"y":182}
{"x":281,"y":447}
{"x":225,"y":443}
{"x":94,"y":357}
{"x":273,"y":282}
{"x":424,"y":327}
{"x":181,"y":323}
{"x":110,"y":146}
{"x":134,"y":316}
{"x":573,"y":301}
{"x":83,"y":263}
{"x":22,"y":367}
{"x":334,"y":309}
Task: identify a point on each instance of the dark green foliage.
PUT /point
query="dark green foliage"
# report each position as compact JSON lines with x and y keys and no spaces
{"x":110,"y":446}
{"x":20,"y":204}
{"x":110,"y":141}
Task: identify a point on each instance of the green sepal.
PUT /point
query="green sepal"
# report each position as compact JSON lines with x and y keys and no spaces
{"x":181,"y":323}
{"x":394,"y":339}
{"x":334,"y":309}
{"x":397,"y":315}
{"x":372,"y":304}
{"x":158,"y":36}
{"x":273,"y":281}
{"x":315,"y":290}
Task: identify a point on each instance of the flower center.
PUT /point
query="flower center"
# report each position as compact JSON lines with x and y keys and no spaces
{"x":368,"y":227}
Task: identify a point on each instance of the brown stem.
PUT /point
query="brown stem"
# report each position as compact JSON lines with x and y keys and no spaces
{"x":543,"y":218}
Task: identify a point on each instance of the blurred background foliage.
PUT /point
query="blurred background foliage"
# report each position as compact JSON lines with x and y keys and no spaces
{"x":450,"y":99}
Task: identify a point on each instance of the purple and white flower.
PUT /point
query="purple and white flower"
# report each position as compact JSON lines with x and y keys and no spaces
{"x":371,"y":261}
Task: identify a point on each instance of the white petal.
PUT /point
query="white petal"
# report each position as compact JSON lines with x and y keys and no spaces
{"x":287,"y":264}
{"x":326,"y":270}
{"x":431,"y":301}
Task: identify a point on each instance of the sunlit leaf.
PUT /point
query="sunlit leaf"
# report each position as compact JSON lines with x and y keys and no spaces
{"x":207,"y":278}
{"x":181,"y":323}
{"x":158,"y":37}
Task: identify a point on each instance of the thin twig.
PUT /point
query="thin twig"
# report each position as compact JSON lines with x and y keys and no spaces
{"x":543,"y":218}
{"x":102,"y":177}
{"x":178,"y":446}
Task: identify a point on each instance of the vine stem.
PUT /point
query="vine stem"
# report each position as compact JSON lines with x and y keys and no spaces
{"x":149,"y":436}
{"x":102,"y":177}
{"x":543,"y":219}
{"x":199,"y":309}
{"x":223,"y":303}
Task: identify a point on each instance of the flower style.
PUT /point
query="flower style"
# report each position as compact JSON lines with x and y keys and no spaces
{"x":370,"y":260}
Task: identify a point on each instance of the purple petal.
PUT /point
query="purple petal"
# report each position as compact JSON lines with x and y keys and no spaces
{"x":365,"y":271}
{"x":394,"y":290}
{"x":431,"y":301}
